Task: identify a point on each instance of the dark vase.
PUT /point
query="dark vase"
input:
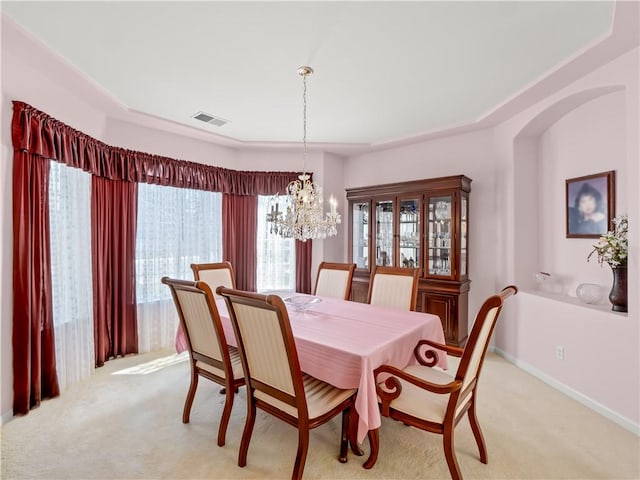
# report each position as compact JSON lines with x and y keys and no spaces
{"x":618,"y":294}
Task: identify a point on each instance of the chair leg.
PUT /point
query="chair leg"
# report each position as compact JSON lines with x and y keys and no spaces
{"x":226,"y":414}
{"x":374,"y":442}
{"x":477,"y":432}
{"x":354,"y":419}
{"x":450,"y":454}
{"x":186,"y":412}
{"x":246,"y":434}
{"x":344,"y":435}
{"x":301,"y":456}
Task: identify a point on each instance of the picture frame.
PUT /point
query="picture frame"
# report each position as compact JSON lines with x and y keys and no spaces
{"x":590,"y":205}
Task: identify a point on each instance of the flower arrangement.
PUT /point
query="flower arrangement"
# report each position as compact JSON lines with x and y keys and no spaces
{"x":612,"y":247}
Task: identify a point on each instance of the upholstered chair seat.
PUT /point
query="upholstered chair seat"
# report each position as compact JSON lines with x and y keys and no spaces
{"x":421,"y":403}
{"x":236,"y":365}
{"x":321,"y":397}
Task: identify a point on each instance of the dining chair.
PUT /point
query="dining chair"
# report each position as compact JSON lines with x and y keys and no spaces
{"x":215,"y":274}
{"x":432,"y":400}
{"x":275,"y":383}
{"x":394,"y":287}
{"x":334,"y":280}
{"x":210,"y":355}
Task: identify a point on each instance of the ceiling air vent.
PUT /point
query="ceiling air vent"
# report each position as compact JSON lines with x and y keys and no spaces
{"x":208,"y":118}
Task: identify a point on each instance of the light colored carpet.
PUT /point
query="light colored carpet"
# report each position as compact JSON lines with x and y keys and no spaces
{"x":129,"y":426}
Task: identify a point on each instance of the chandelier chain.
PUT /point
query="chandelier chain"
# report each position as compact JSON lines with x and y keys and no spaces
{"x":304,"y":123}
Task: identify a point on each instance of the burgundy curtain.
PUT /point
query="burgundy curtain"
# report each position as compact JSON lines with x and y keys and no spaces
{"x":34,"y":360}
{"x":239,"y":238}
{"x":303,"y":266}
{"x":45,"y":136}
{"x":114,"y":207}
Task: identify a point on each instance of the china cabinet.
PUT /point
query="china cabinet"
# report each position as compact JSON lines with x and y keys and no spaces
{"x":419,"y":224}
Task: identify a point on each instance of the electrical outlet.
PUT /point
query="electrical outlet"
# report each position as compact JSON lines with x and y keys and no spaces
{"x":559,"y":352}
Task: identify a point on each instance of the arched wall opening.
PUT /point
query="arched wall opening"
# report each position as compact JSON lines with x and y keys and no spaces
{"x":581,"y":134}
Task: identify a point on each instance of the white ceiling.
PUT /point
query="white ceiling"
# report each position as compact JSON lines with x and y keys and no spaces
{"x":383,"y":70}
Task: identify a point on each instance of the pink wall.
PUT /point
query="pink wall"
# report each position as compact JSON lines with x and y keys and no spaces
{"x":600,"y":366}
{"x":168,"y":144}
{"x":331,"y":178}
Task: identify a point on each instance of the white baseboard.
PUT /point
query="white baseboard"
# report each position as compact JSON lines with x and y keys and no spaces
{"x":6,"y":417}
{"x":621,"y":420}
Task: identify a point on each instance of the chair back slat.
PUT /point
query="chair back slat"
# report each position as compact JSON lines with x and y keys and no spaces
{"x":477,"y":353}
{"x":264,"y":346}
{"x":215,"y":275}
{"x":476,"y":348}
{"x":199,"y":319}
{"x":198,"y":323}
{"x":334,"y":283}
{"x":394,"y":287}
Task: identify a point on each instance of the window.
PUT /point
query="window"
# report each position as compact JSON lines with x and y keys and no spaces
{"x":176,"y":227}
{"x":276,"y":260}
{"x":72,"y":297}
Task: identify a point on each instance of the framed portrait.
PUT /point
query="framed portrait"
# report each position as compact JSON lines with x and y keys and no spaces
{"x":590,"y":205}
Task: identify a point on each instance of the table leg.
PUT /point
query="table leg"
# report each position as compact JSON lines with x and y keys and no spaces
{"x":374,"y":441}
{"x":353,"y":432}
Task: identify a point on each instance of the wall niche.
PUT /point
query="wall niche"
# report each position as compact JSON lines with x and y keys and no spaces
{"x":582,"y":134}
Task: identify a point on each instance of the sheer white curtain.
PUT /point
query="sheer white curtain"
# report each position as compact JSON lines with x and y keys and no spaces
{"x":70,"y":233}
{"x":276,"y":255}
{"x":176,"y":227}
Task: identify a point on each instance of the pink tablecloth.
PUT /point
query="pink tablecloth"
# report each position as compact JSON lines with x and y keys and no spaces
{"x":342,"y":343}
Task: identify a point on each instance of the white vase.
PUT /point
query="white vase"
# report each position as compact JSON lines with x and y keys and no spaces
{"x":590,"y":293}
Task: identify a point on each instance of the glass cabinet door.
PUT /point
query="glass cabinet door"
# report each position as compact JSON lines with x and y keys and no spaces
{"x":409,"y":226}
{"x":464,"y":225}
{"x":439,"y":236}
{"x":361,"y":234}
{"x":384,"y":233}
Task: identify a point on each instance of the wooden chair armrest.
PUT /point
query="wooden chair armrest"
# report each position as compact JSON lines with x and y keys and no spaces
{"x":393,"y":388}
{"x":429,"y":354}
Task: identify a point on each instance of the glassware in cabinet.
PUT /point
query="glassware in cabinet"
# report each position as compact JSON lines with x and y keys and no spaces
{"x":464,"y":225}
{"x":384,"y":233}
{"x":440,"y":235}
{"x":360,"y":247}
{"x":409,"y":233}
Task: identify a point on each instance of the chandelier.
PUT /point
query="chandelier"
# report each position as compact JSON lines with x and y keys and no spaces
{"x":303,"y":218}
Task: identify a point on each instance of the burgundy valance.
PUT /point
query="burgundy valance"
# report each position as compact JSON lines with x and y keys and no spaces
{"x":36,"y":132}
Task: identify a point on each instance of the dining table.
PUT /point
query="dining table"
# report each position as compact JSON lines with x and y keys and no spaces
{"x":342,"y":342}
